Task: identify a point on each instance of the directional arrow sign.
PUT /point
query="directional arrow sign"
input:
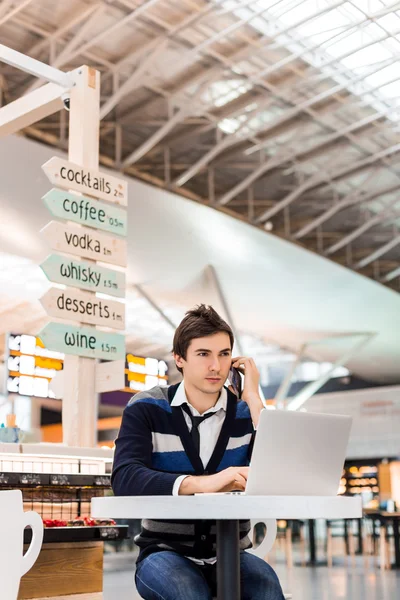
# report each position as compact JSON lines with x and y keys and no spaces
{"x":85,"y":242}
{"x":83,"y":307}
{"x":83,"y":210}
{"x":83,"y":341}
{"x":110,"y":376}
{"x":69,"y":176}
{"x":82,"y":274}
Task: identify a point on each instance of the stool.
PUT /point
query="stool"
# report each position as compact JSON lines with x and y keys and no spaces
{"x":348,"y":538}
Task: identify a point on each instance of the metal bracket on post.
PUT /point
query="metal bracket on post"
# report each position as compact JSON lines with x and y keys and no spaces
{"x":35,"y":67}
{"x":39,"y":103}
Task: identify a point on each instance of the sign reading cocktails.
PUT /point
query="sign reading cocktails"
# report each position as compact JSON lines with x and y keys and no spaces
{"x":69,"y":176}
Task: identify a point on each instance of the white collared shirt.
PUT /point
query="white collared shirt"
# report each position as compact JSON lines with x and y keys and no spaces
{"x":209,"y":429}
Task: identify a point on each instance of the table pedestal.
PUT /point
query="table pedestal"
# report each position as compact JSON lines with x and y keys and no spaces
{"x":396,"y":539}
{"x":228,"y":560}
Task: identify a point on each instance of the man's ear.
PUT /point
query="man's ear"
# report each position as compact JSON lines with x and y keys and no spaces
{"x":178,"y":360}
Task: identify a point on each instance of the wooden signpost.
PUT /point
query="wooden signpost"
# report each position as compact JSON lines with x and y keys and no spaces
{"x":69,"y":176}
{"x":85,"y":211}
{"x":86,"y":200}
{"x":85,"y":242}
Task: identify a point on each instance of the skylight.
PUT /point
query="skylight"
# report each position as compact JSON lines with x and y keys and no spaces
{"x":357,"y":42}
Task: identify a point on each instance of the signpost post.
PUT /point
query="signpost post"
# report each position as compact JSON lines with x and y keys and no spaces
{"x":90,"y":200}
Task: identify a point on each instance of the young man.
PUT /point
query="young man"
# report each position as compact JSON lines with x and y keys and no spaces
{"x":191,"y":438}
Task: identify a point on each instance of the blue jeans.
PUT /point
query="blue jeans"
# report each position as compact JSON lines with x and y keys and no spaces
{"x":169,"y":576}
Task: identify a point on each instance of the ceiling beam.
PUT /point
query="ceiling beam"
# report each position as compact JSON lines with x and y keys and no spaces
{"x":278,"y":161}
{"x":178,"y":117}
{"x":378,"y":253}
{"x":7,"y":12}
{"x":391,"y":275}
{"x":133,"y":81}
{"x":350,"y":200}
{"x":89,"y":16}
{"x":372,"y":222}
{"x":318,"y":179}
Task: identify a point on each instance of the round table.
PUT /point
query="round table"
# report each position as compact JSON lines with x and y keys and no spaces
{"x":227,"y":510}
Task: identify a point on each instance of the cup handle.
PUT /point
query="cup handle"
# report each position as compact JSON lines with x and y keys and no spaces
{"x":34,"y":521}
{"x":269,"y":538}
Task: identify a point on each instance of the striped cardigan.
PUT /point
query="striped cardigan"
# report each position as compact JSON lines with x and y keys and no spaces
{"x":154,"y":448}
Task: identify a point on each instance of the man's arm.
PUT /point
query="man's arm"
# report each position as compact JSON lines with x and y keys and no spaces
{"x":132,"y":473}
{"x":228,"y":480}
{"x":250,"y":394}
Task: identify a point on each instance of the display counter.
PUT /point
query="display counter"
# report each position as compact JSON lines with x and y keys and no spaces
{"x":59,"y":482}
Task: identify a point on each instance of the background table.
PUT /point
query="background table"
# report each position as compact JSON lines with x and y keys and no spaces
{"x":227,"y":510}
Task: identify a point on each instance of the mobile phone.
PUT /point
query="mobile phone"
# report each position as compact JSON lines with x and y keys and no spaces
{"x":235,"y":380}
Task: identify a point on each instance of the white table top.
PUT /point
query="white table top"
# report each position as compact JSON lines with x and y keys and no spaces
{"x":227,"y":507}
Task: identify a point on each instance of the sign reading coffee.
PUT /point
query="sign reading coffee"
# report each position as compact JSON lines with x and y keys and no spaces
{"x":70,"y":207}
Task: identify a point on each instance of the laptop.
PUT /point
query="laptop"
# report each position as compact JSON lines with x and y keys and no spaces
{"x":298,"y":454}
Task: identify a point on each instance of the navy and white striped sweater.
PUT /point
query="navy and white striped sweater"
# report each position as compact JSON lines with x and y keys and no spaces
{"x":154,"y":448}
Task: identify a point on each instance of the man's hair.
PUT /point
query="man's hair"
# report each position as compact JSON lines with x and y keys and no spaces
{"x":199,"y":322}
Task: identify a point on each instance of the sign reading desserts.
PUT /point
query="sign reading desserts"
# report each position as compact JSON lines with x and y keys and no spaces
{"x":83,"y":240}
{"x":82,"y":307}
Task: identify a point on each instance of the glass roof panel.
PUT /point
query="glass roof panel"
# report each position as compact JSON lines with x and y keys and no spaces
{"x":342,"y":38}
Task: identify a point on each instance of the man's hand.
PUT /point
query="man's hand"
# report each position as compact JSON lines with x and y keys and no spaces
{"x":229,"y":480}
{"x":247,"y":366}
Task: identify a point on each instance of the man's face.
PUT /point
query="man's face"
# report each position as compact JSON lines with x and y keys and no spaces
{"x":207,"y":364}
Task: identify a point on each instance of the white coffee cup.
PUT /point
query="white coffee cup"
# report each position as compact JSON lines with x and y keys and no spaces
{"x":13,"y":564}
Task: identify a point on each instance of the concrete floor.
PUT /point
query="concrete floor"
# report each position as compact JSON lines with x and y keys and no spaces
{"x":342,"y":581}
